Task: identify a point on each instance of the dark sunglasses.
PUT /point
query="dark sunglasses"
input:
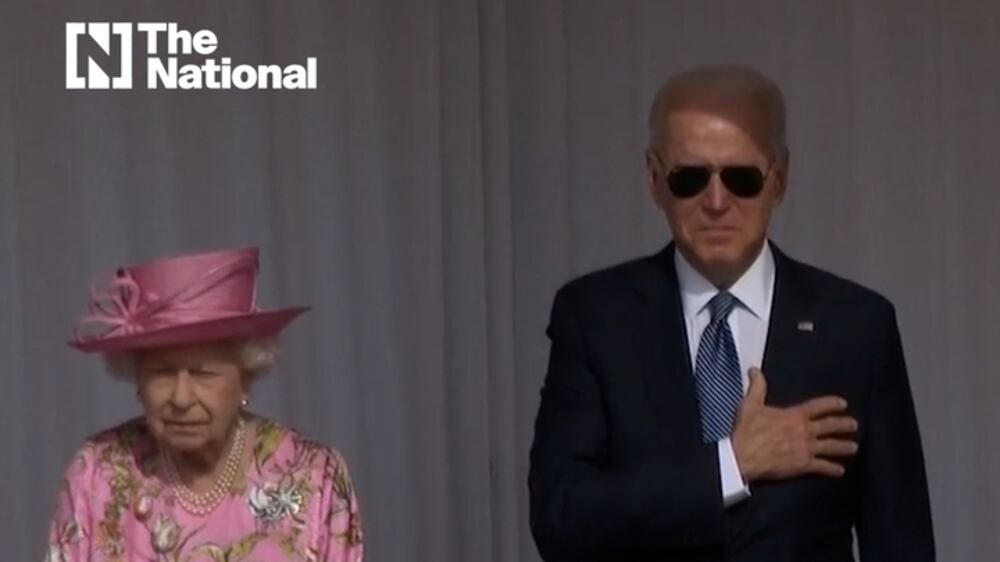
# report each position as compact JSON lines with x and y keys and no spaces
{"x":741,"y":181}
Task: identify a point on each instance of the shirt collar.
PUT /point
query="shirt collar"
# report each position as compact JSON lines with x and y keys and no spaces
{"x":752,"y":290}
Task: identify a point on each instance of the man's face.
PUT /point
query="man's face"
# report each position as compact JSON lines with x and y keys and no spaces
{"x":718,"y":232}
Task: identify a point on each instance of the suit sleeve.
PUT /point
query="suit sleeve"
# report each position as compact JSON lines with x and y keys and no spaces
{"x":585,"y":504}
{"x":894,"y":520}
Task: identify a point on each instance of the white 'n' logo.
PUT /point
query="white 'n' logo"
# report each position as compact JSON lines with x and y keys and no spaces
{"x":100,"y":60}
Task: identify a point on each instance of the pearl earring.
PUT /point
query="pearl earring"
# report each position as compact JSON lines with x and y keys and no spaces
{"x":244,"y":402}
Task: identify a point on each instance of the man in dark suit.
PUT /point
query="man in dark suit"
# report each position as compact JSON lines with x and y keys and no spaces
{"x":719,"y":401}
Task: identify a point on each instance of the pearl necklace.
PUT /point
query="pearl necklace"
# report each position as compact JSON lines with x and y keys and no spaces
{"x":203,"y":504}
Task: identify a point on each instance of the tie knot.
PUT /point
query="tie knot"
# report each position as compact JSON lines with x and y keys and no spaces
{"x":721,"y":305}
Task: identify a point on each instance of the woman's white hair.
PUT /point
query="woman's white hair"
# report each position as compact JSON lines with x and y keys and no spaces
{"x":256,"y":357}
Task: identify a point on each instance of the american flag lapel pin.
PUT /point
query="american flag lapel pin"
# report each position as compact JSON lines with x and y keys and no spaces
{"x":806,"y":326}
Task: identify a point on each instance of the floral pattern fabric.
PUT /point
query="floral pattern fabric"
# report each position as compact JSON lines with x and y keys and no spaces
{"x":296,"y":503}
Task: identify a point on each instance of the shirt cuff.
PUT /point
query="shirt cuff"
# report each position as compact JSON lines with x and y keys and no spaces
{"x":734,"y":489}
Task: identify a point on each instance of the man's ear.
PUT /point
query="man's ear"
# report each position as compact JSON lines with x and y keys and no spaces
{"x":654,"y":179}
{"x":781,"y":177}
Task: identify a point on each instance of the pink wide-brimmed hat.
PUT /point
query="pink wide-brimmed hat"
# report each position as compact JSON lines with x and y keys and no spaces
{"x":183,"y":300}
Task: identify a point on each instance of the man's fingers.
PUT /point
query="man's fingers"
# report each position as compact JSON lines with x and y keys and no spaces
{"x":824,"y":406}
{"x":826,"y":468}
{"x":834,"y":448}
{"x":757,"y":392}
{"x":833,"y":425}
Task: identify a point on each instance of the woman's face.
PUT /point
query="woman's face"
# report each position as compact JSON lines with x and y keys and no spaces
{"x":191,"y":395}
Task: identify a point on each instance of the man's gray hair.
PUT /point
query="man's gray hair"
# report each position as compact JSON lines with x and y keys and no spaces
{"x":718,"y":85}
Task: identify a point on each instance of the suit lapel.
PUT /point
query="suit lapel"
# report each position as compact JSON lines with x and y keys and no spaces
{"x":790,"y":351}
{"x":790,"y":360}
{"x":661,"y":348}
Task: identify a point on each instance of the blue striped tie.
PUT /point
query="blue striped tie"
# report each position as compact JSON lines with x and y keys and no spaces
{"x":717,"y":372}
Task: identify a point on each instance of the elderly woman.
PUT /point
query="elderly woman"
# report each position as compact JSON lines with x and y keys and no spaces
{"x":197,"y":477}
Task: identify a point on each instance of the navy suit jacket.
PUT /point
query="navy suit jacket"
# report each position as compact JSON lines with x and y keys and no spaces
{"x":619,"y":472}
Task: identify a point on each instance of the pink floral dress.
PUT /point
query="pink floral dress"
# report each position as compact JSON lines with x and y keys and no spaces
{"x":296,"y":503}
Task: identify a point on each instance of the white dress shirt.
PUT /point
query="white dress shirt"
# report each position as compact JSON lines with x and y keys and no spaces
{"x":748,"y":322}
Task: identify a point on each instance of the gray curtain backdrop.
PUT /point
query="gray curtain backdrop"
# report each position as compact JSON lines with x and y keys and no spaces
{"x":459,"y":161}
